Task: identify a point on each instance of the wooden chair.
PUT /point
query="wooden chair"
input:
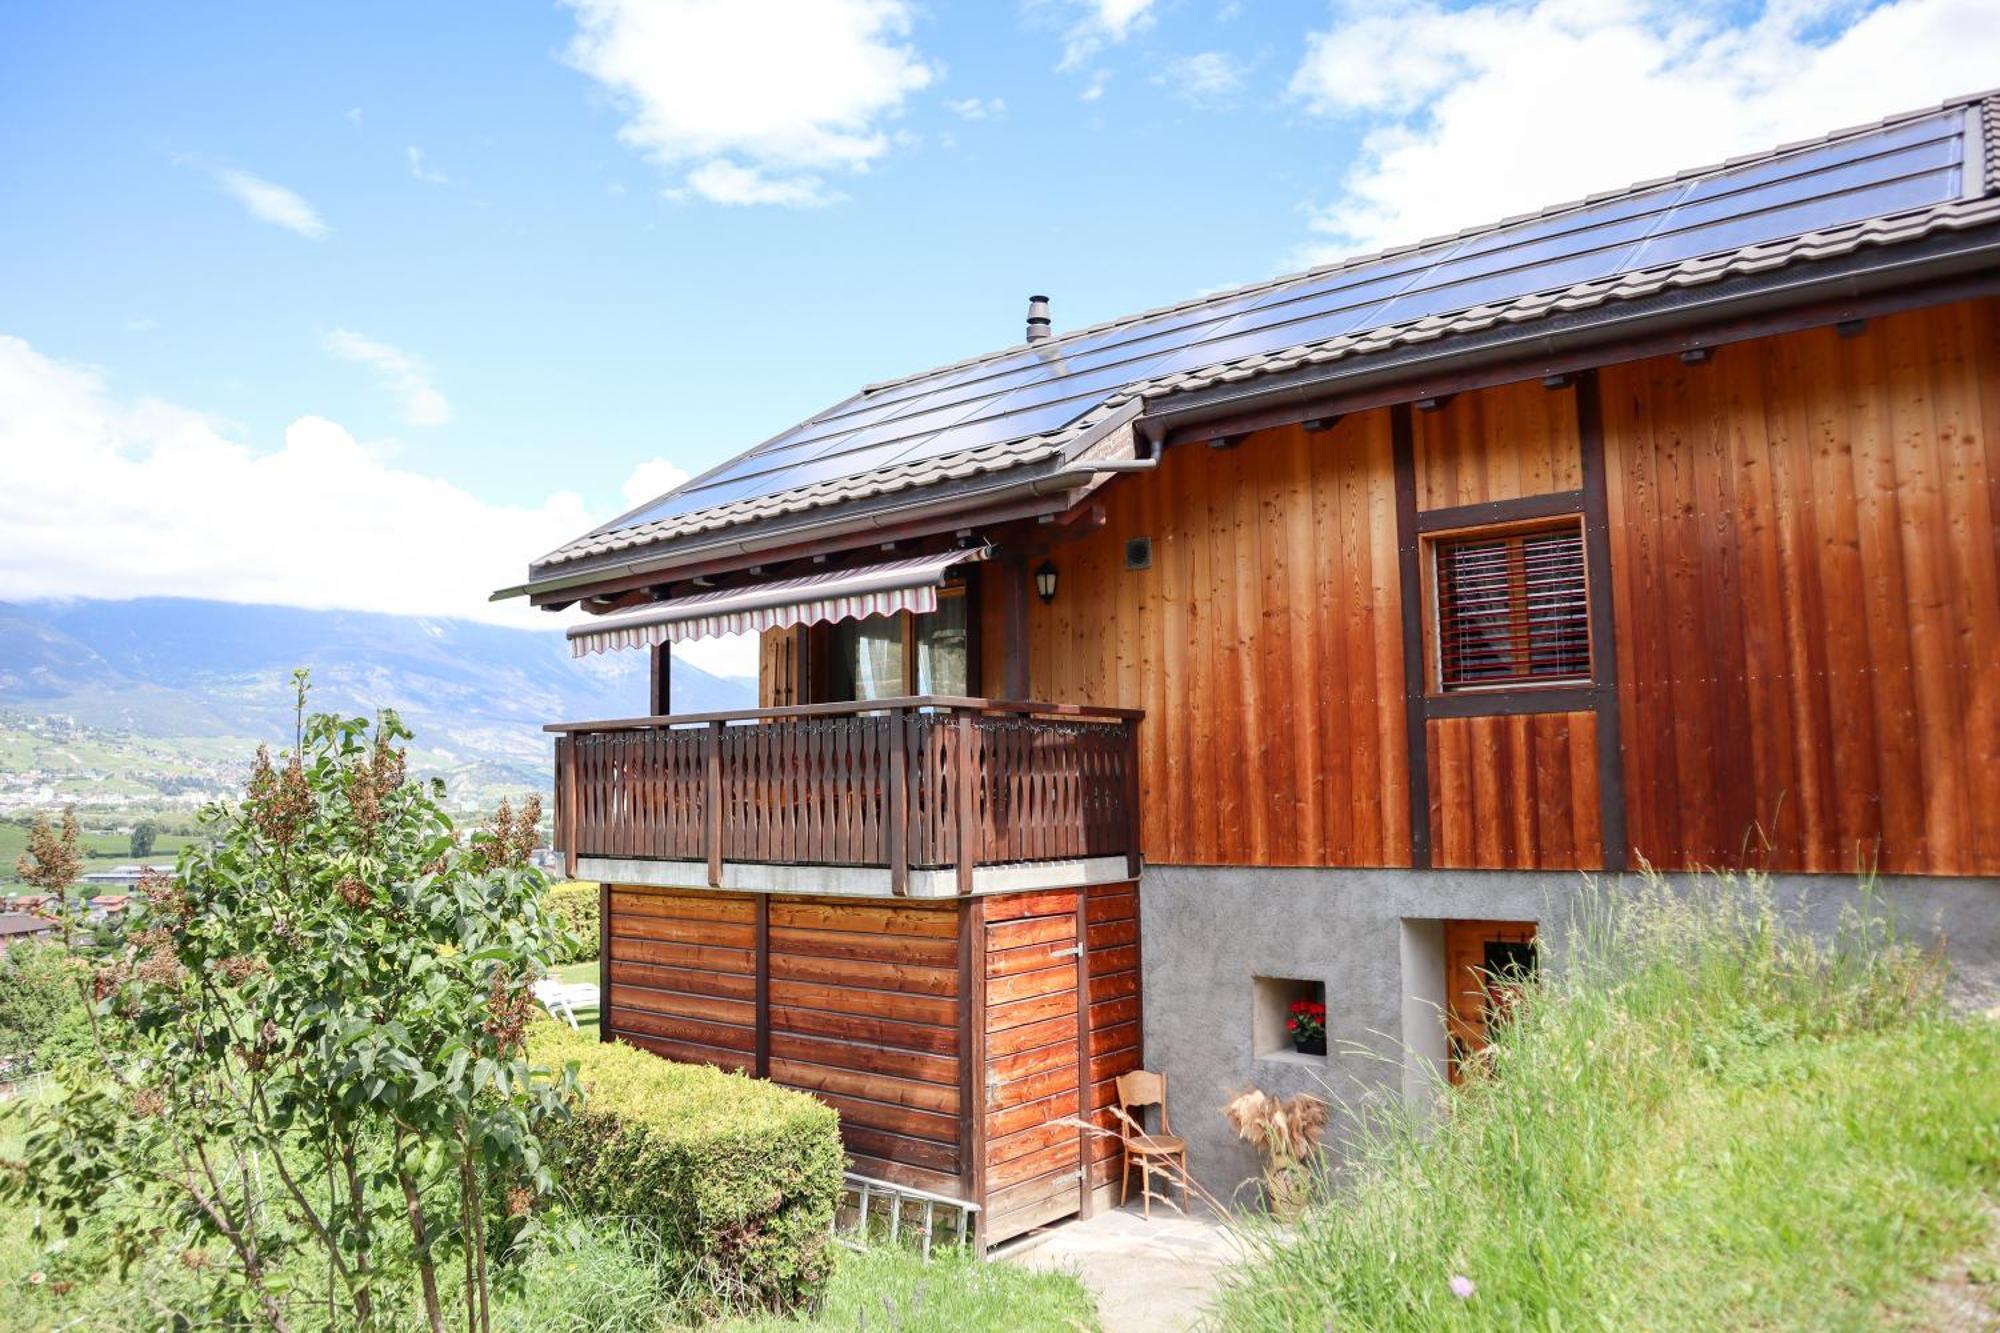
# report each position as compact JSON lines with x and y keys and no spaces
{"x":1145,"y":1151}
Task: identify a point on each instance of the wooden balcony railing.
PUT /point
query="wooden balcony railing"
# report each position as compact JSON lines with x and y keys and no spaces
{"x":926,"y":783}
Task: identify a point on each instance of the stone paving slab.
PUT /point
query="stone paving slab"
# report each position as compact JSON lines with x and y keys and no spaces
{"x":1151,"y":1276}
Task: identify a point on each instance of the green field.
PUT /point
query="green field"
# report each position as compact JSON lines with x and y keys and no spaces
{"x":104,"y":850}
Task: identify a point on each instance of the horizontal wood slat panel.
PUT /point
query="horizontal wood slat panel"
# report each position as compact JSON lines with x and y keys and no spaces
{"x":875,"y":1087}
{"x":727,"y":985}
{"x":867,"y":920}
{"x":1014,"y":1119}
{"x":680,"y":1004}
{"x":680,"y":930}
{"x":935,"y":1010}
{"x":693,"y":1053}
{"x":1013,"y":906}
{"x":925,"y":951}
{"x":700,"y":1032}
{"x":860,"y":1028}
{"x":741,"y":962}
{"x":1027,"y":985}
{"x":1000,"y":1017}
{"x":691,"y":906}
{"x":1030,"y":931}
{"x":1027,"y":1036}
{"x":899,"y":1148}
{"x":871,"y":975}
{"x":899,"y":1061}
{"x":1032,"y":958}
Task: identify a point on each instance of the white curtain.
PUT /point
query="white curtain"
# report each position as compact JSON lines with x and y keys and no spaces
{"x":878,"y":658}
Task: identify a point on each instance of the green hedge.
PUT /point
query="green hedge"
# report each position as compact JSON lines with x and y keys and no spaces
{"x":738,"y":1176}
{"x":574,"y":903}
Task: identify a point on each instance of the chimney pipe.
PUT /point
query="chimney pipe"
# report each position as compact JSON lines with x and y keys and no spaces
{"x":1038,"y":318}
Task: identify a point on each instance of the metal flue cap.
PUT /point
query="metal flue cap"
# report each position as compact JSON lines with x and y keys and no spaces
{"x":1038,"y":318}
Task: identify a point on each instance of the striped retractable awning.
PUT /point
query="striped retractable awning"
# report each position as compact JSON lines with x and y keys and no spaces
{"x":873,"y":590}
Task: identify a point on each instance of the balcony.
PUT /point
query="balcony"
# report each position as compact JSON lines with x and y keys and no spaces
{"x":927,"y":796}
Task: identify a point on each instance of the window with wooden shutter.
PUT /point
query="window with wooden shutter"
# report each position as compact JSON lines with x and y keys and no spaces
{"x":1512,"y":608}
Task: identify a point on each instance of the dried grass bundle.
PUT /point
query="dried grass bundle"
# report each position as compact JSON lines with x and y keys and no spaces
{"x":1286,"y":1131}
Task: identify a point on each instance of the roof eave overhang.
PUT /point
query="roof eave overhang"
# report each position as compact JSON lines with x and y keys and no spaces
{"x":1951,"y":266}
{"x":1048,"y":485}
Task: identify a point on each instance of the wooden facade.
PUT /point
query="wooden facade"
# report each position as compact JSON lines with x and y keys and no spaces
{"x":1791,"y":580}
{"x":1795,"y":605}
{"x":962,"y":1042}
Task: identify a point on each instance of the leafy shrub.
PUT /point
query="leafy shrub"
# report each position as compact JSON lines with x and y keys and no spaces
{"x":737,"y":1177}
{"x":574,"y":906}
{"x":37,"y":988}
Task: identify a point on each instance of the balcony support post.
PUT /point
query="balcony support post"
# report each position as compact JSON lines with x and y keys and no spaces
{"x":965,"y":790}
{"x":896,"y":819}
{"x":714,"y":811}
{"x":1134,"y":854}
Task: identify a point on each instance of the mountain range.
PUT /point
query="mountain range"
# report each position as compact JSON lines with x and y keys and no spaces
{"x":162,"y":671}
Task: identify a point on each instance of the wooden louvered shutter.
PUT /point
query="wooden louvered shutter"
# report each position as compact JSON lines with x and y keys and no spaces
{"x":1512,"y":609}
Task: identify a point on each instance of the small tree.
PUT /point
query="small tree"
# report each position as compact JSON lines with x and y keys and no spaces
{"x":144,"y":834}
{"x":321,"y":1037}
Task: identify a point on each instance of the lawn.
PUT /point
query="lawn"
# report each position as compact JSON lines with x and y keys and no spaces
{"x":103,"y":850}
{"x":573,"y":973}
{"x":1704,"y":1121}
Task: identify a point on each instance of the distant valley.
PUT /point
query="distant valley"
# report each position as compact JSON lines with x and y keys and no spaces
{"x":157,"y":704}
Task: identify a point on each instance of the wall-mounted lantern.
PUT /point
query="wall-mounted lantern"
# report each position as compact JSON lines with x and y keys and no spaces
{"x":1045,"y":580}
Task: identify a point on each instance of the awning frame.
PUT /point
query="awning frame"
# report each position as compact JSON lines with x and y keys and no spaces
{"x":909,"y":584}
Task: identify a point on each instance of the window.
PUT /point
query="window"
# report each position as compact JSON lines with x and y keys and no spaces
{"x":887,"y":657}
{"x":1512,"y":608}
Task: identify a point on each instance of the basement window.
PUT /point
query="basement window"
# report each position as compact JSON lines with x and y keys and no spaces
{"x":1272,"y":1001}
{"x":1511,"y":608}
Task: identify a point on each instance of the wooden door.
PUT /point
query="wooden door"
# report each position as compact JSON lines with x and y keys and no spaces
{"x":1034,"y":1157}
{"x":1481,"y":959}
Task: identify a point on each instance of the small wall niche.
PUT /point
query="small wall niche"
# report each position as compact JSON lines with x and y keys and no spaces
{"x":1271,"y":1004}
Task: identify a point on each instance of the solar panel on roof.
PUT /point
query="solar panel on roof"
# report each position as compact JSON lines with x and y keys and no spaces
{"x":1037,"y":389}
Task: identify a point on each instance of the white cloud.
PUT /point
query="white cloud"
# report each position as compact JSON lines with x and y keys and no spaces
{"x":353,"y":115}
{"x":403,"y":374}
{"x":724,"y":182}
{"x":974,"y":108}
{"x":423,"y":171}
{"x":1476,"y":113}
{"x":265,"y":200}
{"x":650,"y":480}
{"x":109,"y":498}
{"x":1101,"y":23}
{"x":1206,"y":78}
{"x":753,"y":102}
{"x":1095,"y":88}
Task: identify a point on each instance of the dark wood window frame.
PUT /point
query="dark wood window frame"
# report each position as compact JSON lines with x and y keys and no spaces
{"x":825,"y":646}
{"x":1441,"y":680}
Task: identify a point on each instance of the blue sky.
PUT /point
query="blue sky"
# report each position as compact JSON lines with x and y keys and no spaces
{"x":467,"y":267}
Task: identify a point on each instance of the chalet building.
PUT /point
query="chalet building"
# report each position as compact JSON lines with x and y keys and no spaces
{"x":1314,"y":640}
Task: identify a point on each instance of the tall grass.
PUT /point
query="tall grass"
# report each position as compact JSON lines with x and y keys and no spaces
{"x":1706,"y":1117}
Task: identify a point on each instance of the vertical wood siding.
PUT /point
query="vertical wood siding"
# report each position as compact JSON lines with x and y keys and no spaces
{"x":1518,"y":792}
{"x":1263,"y":643}
{"x":1805,"y":564}
{"x":1500,"y":444}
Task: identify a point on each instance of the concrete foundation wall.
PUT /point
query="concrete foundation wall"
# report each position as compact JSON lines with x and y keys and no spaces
{"x":1374,"y":939}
